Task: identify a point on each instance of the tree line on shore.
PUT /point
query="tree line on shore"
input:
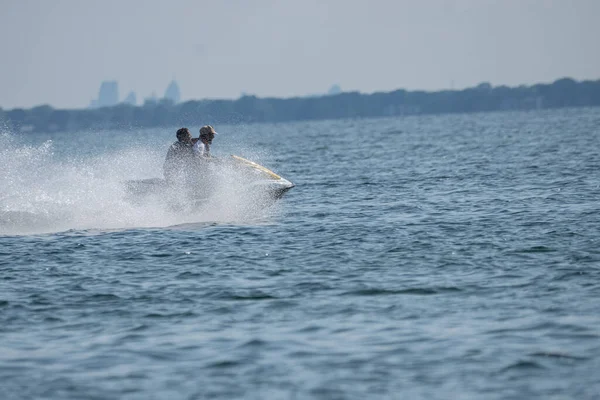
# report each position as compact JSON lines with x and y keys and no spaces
{"x":564,"y":92}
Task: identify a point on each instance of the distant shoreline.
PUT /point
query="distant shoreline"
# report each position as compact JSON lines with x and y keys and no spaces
{"x":562,"y":93}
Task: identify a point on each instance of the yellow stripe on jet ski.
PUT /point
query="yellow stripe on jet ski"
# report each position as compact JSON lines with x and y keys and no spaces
{"x":257,"y":166}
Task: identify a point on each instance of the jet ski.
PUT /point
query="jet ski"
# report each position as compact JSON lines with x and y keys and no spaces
{"x":262,"y":178}
{"x":238,"y":174}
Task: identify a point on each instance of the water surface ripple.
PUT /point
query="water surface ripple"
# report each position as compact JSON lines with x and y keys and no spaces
{"x":421,"y":258}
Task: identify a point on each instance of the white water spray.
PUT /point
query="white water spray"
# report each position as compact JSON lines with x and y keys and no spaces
{"x":42,"y":192}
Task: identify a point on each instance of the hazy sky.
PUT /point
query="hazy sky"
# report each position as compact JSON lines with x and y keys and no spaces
{"x":58,"y":51}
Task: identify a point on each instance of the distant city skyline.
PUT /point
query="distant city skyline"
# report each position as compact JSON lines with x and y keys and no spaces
{"x":58,"y":52}
{"x":108,"y":95}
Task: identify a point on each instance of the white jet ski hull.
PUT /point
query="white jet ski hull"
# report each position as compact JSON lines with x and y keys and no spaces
{"x":253,"y":179}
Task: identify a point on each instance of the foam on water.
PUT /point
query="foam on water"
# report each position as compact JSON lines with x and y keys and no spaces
{"x":42,"y":192}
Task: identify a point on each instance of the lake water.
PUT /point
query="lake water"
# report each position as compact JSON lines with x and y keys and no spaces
{"x":430,"y":257}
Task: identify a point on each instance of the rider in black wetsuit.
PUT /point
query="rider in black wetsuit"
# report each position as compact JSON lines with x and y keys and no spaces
{"x":179,"y":158}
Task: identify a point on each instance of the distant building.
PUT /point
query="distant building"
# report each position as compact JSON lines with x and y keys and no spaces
{"x":172,"y":93}
{"x":152,"y":100}
{"x":484,"y":86}
{"x":335,"y":89}
{"x":130,"y":99}
{"x":109,"y":94}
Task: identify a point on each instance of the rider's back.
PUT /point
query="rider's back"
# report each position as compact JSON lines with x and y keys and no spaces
{"x":177,"y":163}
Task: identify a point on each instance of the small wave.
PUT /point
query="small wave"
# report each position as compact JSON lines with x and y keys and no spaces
{"x":310,"y":329}
{"x":161,"y":255}
{"x":523,"y":365}
{"x":253,"y":297}
{"x":257,"y":295}
{"x":537,"y":249}
{"x":104,"y":297}
{"x":253,"y":343}
{"x":409,"y":291}
{"x":312,"y":286}
{"x":556,"y":354}
{"x":192,"y":275}
{"x":223,"y":364}
{"x":156,"y":315}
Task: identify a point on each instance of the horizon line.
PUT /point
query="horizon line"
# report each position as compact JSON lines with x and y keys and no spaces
{"x":158,"y":99}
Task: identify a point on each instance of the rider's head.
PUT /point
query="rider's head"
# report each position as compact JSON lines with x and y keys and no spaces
{"x":184,"y":135}
{"x":207,"y":134}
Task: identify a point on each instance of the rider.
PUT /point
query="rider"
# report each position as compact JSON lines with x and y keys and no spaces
{"x":202,"y":145}
{"x":179,"y":157}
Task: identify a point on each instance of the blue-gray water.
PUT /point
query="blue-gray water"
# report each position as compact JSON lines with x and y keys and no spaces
{"x":419,"y":258}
